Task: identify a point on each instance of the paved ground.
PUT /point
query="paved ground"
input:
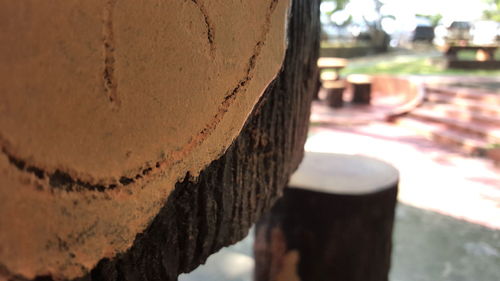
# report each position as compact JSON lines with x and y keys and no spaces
{"x":427,"y":247}
{"x":448,"y":219}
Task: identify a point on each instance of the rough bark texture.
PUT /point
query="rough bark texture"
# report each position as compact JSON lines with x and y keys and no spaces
{"x":336,"y":237}
{"x":216,"y":209}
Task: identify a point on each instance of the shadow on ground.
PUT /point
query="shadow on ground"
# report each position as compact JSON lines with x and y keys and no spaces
{"x":431,"y":246}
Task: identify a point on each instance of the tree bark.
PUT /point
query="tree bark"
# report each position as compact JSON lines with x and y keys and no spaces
{"x":218,"y":208}
{"x":329,"y":234}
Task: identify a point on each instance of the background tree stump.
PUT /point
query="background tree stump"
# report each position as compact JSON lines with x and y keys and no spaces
{"x":334,"y":222}
{"x":334,"y":93}
{"x":361,"y":86}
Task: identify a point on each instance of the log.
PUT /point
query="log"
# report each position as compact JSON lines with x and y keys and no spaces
{"x":207,"y":209}
{"x":334,"y":93}
{"x":334,"y":222}
{"x":361,"y":88}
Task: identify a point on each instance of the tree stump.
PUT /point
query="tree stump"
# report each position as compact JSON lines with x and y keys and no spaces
{"x":136,"y":140}
{"x":361,"y":86}
{"x":334,"y":93}
{"x":334,"y":222}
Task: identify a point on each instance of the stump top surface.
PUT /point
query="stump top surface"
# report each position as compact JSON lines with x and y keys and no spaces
{"x":359,"y":79}
{"x":334,"y":84}
{"x":343,"y":174}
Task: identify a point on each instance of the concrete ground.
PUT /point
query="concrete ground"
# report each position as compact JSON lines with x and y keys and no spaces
{"x":448,"y":217}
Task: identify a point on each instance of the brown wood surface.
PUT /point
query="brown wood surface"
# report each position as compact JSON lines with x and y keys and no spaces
{"x":217,"y":209}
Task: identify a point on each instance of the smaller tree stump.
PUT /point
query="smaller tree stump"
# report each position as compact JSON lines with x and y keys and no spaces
{"x":334,"y":222}
{"x":361,"y":88}
{"x":334,"y":93}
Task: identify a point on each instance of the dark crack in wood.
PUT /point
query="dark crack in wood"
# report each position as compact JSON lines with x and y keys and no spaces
{"x":209,"y":26}
{"x":110,"y":84}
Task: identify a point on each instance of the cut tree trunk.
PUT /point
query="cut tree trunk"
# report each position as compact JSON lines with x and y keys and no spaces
{"x":334,"y":93}
{"x":217,"y":209}
{"x":361,"y":88}
{"x":176,"y":96}
{"x":333,"y":223}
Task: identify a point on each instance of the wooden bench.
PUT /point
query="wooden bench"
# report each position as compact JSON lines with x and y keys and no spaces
{"x":489,"y":51}
{"x":334,"y":222}
{"x":335,"y":64}
{"x":485,"y":57}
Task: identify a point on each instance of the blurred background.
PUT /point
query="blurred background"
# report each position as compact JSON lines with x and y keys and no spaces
{"x":385,"y":24}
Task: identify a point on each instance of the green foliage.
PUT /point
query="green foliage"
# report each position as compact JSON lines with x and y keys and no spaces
{"x":409,"y":64}
{"x":434,"y":19}
{"x":378,"y":37}
{"x":493,"y":13}
{"x":339,"y":5}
